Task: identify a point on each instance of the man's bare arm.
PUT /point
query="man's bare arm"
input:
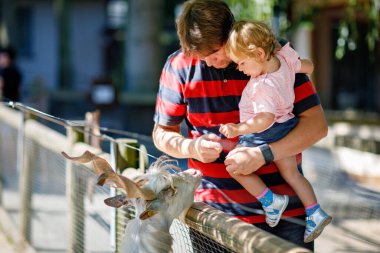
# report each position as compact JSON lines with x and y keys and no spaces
{"x":312,"y":127}
{"x":169,"y":140}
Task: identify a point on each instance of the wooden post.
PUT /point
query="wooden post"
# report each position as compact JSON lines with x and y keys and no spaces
{"x":113,"y":214}
{"x":128,"y":155}
{"x":75,"y":197}
{"x":92,"y":129}
{"x":143,"y":159}
{"x":1,"y":169}
{"x":122,"y":156}
{"x":25,"y":169}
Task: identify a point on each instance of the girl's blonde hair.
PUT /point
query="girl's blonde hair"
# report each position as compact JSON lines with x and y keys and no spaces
{"x":247,"y":36}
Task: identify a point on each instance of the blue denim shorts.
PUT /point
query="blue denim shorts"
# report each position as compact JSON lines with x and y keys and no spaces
{"x":274,"y":133}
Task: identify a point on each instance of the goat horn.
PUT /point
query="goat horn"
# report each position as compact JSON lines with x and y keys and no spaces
{"x":100,"y":164}
{"x":134,"y":191}
{"x":131,"y":188}
{"x":106,"y":175}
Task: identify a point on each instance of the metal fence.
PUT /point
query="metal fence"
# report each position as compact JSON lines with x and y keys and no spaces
{"x":57,"y":206}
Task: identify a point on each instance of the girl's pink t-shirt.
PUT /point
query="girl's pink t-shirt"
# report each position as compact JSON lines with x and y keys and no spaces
{"x":272,"y":92}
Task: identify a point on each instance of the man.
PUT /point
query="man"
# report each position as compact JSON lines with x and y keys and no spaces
{"x":200,"y":84}
{"x":10,"y":76}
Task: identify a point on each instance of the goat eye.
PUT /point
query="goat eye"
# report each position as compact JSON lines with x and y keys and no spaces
{"x":169,"y":191}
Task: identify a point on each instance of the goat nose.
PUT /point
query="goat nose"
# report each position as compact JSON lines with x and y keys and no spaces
{"x":193,"y":172}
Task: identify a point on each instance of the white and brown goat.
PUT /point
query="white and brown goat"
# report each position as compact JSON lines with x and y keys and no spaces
{"x":158,"y":197}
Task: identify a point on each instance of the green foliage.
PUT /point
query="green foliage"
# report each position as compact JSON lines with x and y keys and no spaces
{"x":252,"y":9}
{"x":265,"y":10}
{"x":373,"y":11}
{"x":348,"y":27}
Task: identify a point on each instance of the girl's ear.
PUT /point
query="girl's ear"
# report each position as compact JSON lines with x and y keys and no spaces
{"x":260,"y":53}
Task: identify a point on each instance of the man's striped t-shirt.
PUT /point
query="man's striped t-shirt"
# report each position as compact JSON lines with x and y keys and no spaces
{"x":206,"y":97}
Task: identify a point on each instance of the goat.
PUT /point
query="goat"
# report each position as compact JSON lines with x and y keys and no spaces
{"x":158,"y":197}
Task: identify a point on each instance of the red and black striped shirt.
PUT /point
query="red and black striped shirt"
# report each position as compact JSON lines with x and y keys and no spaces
{"x":206,"y":97}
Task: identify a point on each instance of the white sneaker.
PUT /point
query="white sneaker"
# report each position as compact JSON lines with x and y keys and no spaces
{"x":315,"y":224}
{"x":274,"y":211}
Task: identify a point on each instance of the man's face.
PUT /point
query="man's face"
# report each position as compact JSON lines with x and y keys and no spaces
{"x":217,"y":59}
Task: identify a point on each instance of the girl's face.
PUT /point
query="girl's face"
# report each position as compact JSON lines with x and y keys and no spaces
{"x":250,"y":66}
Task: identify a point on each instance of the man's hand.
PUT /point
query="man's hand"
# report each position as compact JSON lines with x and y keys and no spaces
{"x":229,"y":130}
{"x":206,"y":148}
{"x":244,"y":160}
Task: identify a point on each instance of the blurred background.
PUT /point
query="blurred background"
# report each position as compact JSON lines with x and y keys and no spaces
{"x":77,"y":56}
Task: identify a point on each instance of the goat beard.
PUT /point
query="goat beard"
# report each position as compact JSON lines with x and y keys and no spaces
{"x":147,"y":236}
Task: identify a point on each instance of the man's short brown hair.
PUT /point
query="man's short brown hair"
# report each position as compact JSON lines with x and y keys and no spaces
{"x":204,"y":25}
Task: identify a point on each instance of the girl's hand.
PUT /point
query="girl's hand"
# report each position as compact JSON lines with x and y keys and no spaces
{"x":228,"y":130}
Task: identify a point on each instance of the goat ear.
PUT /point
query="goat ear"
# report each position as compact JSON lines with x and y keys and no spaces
{"x":151,"y":209}
{"x":117,"y":201}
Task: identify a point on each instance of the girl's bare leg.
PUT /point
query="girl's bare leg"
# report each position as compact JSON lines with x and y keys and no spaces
{"x":302,"y":187}
{"x":252,"y":183}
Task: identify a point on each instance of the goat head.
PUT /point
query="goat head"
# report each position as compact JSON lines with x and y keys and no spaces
{"x":160,"y":189}
{"x":106,"y":175}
